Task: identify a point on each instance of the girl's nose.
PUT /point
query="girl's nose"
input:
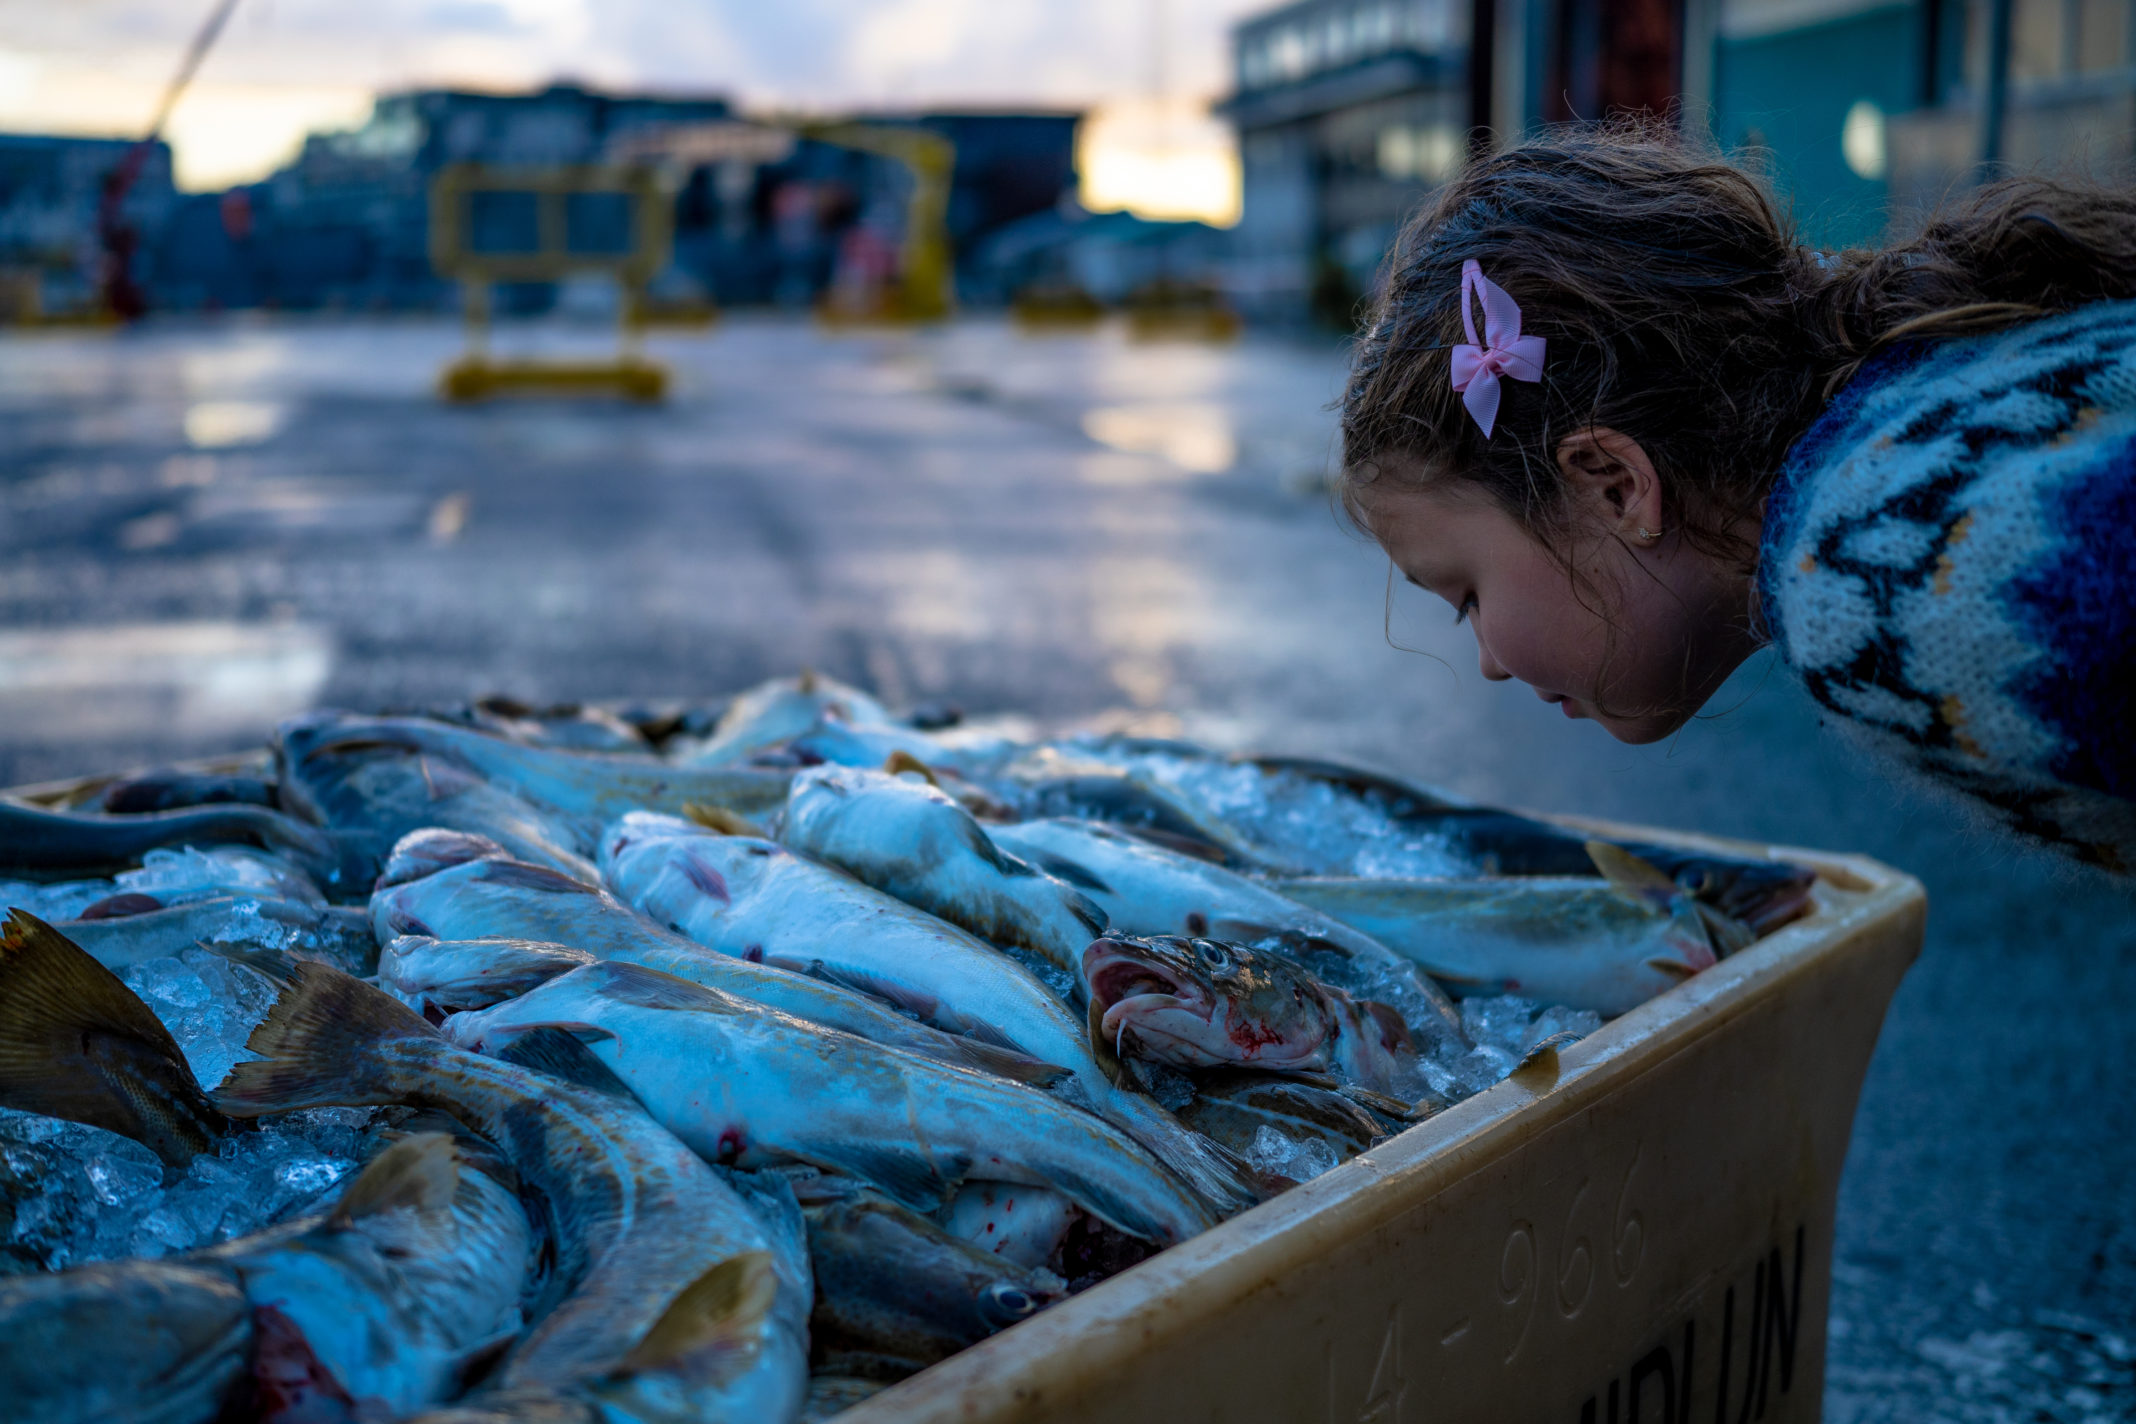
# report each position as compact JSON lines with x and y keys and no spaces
{"x":1491,"y":670}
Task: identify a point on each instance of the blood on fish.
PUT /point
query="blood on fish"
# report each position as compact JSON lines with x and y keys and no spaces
{"x":730,"y":1146}
{"x":290,"y":1385}
{"x":1250,"y":1036}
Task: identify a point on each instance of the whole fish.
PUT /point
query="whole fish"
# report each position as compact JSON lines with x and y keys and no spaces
{"x":756,"y":900}
{"x":896,"y":1293}
{"x":1145,"y":889}
{"x":384,"y":792}
{"x":76,"y":1043}
{"x":1763,"y":894}
{"x":1587,"y":944}
{"x":775,"y":712}
{"x":40,"y":844}
{"x":582,"y":791}
{"x":639,"y":1221}
{"x":336,"y":935}
{"x":503,"y":900}
{"x":908,"y":838}
{"x":749,"y":1086}
{"x":370,"y":1310}
{"x":1196,"y":1003}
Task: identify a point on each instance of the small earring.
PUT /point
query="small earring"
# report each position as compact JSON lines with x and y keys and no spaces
{"x":1650,"y":535}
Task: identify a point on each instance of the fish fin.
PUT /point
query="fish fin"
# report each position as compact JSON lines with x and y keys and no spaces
{"x":713,"y":1320}
{"x":1003,"y":1062}
{"x":904,"y":999}
{"x":1394,"y":1031}
{"x":722,"y":820}
{"x":1630,"y":875}
{"x":523,"y":876}
{"x":556,"y":1052}
{"x":76,"y":1043}
{"x":651,"y":989}
{"x":274,"y":965}
{"x":317,"y":1045}
{"x":420,"y":1173}
{"x":1724,"y":932}
{"x":1061,"y":867}
{"x":901,"y":761}
{"x":909,"y":1177}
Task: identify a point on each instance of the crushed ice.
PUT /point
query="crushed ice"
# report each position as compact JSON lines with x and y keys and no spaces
{"x":209,"y":1003}
{"x":173,"y":877}
{"x":1300,"y":1159}
{"x":77,"y":1193}
{"x":1503,"y":1027}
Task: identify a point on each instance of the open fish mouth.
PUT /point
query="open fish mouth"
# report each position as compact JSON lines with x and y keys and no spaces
{"x":1177,"y":1020}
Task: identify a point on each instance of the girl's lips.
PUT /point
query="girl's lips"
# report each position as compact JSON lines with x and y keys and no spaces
{"x":1569,"y":707}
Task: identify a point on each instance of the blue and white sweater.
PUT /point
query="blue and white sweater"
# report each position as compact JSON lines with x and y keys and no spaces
{"x":1949,"y":562}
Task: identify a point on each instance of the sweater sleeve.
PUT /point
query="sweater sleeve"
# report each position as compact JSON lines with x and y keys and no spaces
{"x":1949,"y":563}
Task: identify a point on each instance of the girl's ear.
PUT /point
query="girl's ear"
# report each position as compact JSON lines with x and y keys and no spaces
{"x":1610,"y":480}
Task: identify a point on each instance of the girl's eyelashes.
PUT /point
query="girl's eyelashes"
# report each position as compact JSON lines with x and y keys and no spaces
{"x":1464,"y":608}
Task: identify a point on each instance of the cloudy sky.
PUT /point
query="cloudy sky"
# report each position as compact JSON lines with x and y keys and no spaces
{"x":287,"y":66}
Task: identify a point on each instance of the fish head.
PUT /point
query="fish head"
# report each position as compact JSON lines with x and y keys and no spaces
{"x":1761,"y":895}
{"x":1199,"y":1003}
{"x":432,"y":849}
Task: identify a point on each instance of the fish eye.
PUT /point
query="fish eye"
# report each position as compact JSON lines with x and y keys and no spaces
{"x":1211,"y":954}
{"x":1012,"y":1300}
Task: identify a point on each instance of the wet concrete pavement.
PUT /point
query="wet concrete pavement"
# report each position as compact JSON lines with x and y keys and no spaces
{"x":203,"y":528}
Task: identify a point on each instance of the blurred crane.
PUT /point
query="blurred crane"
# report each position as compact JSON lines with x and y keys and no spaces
{"x":117,"y":239}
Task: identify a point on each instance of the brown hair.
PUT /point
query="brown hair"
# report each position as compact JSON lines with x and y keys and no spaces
{"x":1680,"y":310}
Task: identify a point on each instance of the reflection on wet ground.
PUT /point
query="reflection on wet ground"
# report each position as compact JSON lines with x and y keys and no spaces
{"x":202,"y":528}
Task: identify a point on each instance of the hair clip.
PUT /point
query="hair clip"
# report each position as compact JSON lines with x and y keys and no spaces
{"x":1503,"y":352}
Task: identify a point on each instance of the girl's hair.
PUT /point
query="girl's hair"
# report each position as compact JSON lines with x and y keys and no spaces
{"x":1680,"y":310}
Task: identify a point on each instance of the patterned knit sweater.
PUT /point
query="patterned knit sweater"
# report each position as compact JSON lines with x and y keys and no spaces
{"x":1949,"y":563}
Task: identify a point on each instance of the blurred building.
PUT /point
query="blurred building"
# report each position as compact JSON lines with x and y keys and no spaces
{"x":346,"y":224}
{"x":1350,"y":112}
{"x":51,"y":192}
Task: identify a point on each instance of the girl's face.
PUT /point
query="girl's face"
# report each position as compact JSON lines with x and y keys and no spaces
{"x":1646,"y":633}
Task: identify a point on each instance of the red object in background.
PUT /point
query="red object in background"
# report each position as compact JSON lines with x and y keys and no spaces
{"x":236,"y":210}
{"x":118,"y":238}
{"x":1615,"y":57}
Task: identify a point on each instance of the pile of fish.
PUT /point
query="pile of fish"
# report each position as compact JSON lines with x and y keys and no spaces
{"x":503,"y":1063}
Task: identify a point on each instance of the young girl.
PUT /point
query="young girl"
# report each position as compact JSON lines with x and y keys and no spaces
{"x":1613,"y":414}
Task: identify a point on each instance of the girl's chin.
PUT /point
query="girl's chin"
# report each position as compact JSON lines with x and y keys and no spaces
{"x":1635,"y":731}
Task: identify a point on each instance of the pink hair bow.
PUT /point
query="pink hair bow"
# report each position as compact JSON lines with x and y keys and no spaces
{"x":1504,"y":352}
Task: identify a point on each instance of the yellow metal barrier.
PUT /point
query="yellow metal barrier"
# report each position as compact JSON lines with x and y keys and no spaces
{"x":552,"y":256}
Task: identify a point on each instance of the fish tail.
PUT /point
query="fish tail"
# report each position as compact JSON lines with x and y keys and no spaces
{"x":76,"y":1043}
{"x":319,"y":1045}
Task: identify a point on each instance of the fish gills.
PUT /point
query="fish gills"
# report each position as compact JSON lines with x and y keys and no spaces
{"x":76,"y":1043}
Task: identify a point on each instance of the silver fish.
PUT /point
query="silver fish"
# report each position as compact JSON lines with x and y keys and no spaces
{"x":639,"y":1220}
{"x":1195,"y":1003}
{"x":381,"y":791}
{"x":1147,"y":890}
{"x":1023,"y":1225}
{"x":907,"y":838}
{"x":583,"y":791}
{"x":502,"y":900}
{"x":778,"y":711}
{"x":747,"y":1086}
{"x":896,"y":1293}
{"x":1587,"y":944}
{"x":755,"y":899}
{"x":41,"y":844}
{"x":375,"y":1307}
